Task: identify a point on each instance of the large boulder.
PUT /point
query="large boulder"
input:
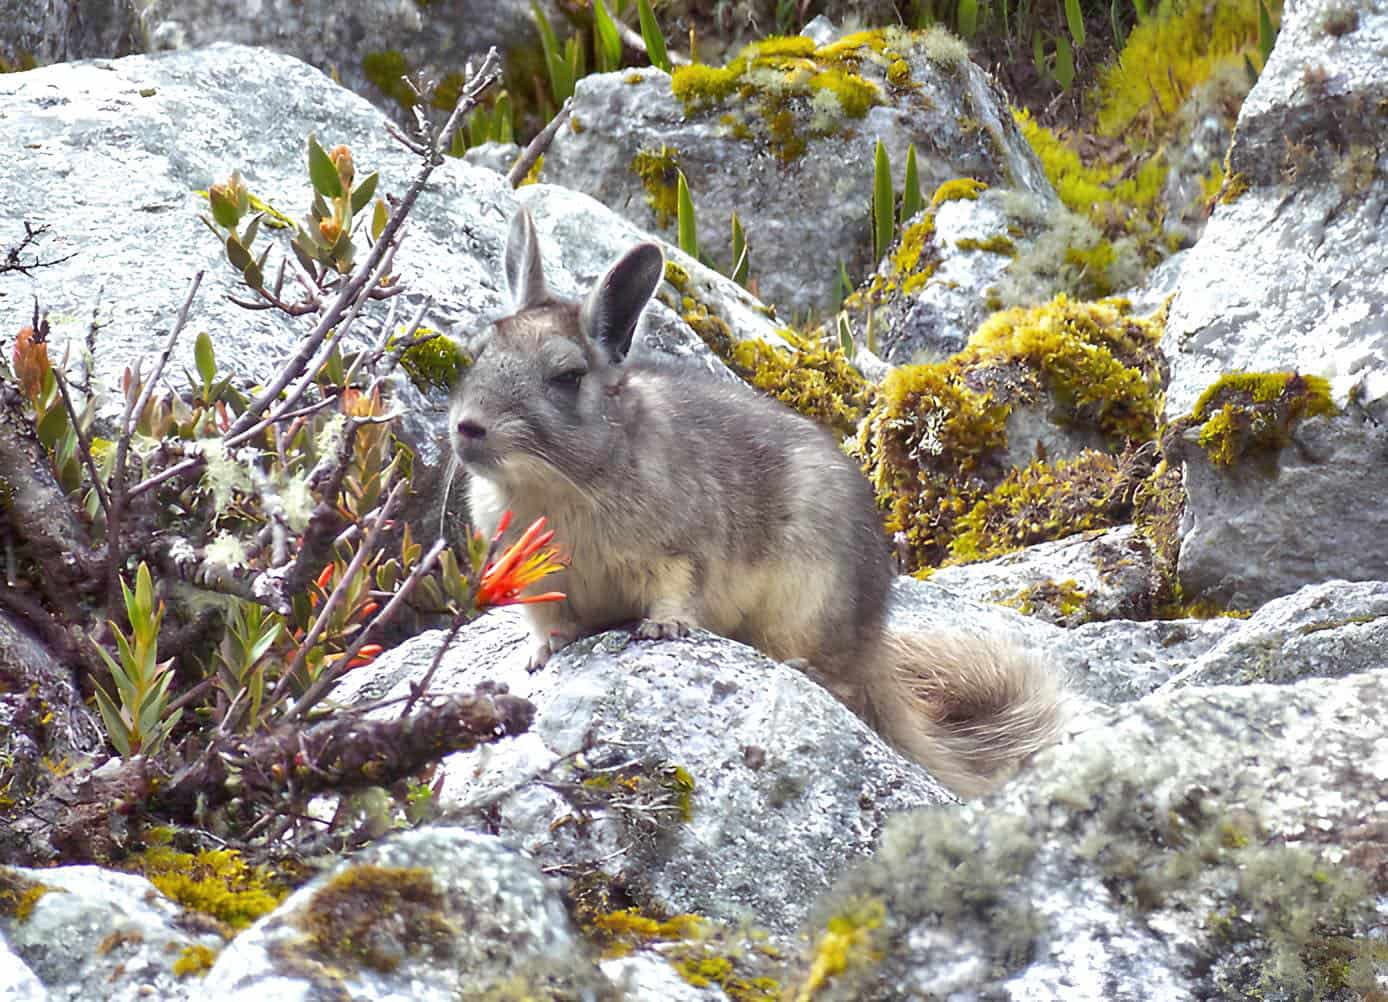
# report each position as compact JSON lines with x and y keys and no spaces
{"x":1289,"y":277}
{"x":785,"y":137}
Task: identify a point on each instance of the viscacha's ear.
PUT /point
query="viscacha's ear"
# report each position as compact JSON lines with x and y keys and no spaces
{"x":524,"y":272}
{"x":611,"y":310}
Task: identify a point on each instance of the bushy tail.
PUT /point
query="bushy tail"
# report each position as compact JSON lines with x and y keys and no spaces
{"x":969,"y":708}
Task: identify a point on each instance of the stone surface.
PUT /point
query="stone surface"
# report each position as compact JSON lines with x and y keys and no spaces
{"x":805,"y":214}
{"x":99,"y":934}
{"x":1289,"y":275}
{"x":51,"y":31}
{"x":787,"y":785}
{"x":430,"y":916}
{"x":1199,"y":848}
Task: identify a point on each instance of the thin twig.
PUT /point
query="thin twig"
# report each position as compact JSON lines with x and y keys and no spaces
{"x":538,"y":145}
{"x":148,"y":389}
{"x":330,"y":676}
{"x":418,"y":691}
{"x":84,"y":445}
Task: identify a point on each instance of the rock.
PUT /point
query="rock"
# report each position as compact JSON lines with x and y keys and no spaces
{"x":1326,"y":630}
{"x":429,"y":915}
{"x":35,"y":34}
{"x":116,"y":216}
{"x":1302,"y":210}
{"x":1098,"y":575}
{"x":1207,"y":845}
{"x":797,"y":168}
{"x":690,"y":776}
{"x":17,"y":982}
{"x":100,"y":934}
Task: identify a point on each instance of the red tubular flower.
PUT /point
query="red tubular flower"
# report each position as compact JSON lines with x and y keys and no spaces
{"x":520,"y":565}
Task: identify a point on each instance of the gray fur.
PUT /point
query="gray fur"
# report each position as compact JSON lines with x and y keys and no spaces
{"x":680,"y":500}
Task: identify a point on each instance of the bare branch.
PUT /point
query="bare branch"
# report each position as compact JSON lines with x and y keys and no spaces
{"x":538,"y":145}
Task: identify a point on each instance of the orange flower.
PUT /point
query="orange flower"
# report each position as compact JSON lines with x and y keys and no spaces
{"x":522,"y":564}
{"x":31,"y":361}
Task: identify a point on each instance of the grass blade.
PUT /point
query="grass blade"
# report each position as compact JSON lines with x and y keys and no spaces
{"x":882,"y":203}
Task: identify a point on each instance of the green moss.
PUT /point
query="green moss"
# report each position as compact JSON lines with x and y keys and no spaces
{"x":374,"y":916}
{"x":1117,"y":198}
{"x":676,"y":276}
{"x":1043,"y":501}
{"x":22,"y":61}
{"x":19,"y":894}
{"x":659,"y":171}
{"x":812,"y":377}
{"x":1233,"y":188}
{"x":216,"y":882}
{"x":1167,"y":56}
{"x":934,"y":441}
{"x":996,"y":244}
{"x":776,"y":46}
{"x":385,"y":69}
{"x":195,"y":959}
{"x":966,"y":188}
{"x":699,"y":87}
{"x":712,"y":329}
{"x":1099,"y":363}
{"x":1065,"y":601}
{"x":1247,"y":412}
{"x":437,"y":362}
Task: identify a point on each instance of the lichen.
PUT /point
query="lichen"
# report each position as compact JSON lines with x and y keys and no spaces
{"x":847,"y":941}
{"x":1255,"y":412}
{"x":659,"y":172}
{"x":195,"y":959}
{"x":216,"y":882}
{"x":1056,"y":601}
{"x":376,"y":916}
{"x":960,"y":188}
{"x":19,"y":894}
{"x":996,"y":244}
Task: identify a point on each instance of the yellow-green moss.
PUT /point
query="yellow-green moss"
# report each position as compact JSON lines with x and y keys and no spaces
{"x":216,"y":882}
{"x":1256,"y":411}
{"x":996,"y":244}
{"x":374,"y":916}
{"x":1099,"y":362}
{"x":195,"y":959}
{"x":812,"y":377}
{"x":847,"y":941}
{"x":1064,"y":600}
{"x":712,"y":329}
{"x":676,"y":276}
{"x":934,"y":441}
{"x":1166,"y":56}
{"x":965,"y":188}
{"x":622,"y":931}
{"x":19,"y":894}
{"x":1235,"y":186}
{"x":1114,"y":197}
{"x":659,"y":171}
{"x":436,"y":363}
{"x":1041,"y":502}
{"x":386,"y":69}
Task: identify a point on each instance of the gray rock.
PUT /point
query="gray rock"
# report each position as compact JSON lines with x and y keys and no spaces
{"x":1198,"y":848}
{"x":99,"y":934}
{"x":1290,"y":276}
{"x":804,"y":213}
{"x":787,"y":785}
{"x":1331,"y":629}
{"x":430,"y":915}
{"x":17,"y":982}
{"x":58,"y":30}
{"x":1105,"y":574}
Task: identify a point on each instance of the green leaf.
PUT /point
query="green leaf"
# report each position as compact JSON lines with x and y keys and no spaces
{"x":379,"y":217}
{"x":967,"y":18}
{"x":322,"y":171}
{"x":1038,"y":54}
{"x":252,"y":228}
{"x":253,"y":276}
{"x":116,"y":729}
{"x":1116,"y":24}
{"x":1074,"y":20}
{"x":607,"y":44}
{"x":653,"y":36}
{"x":847,"y":345}
{"x":688,"y":229}
{"x":361,"y":197}
{"x":911,"y":199}
{"x":883,"y":207}
{"x":205,"y":358}
{"x":237,"y":254}
{"x":1064,"y":62}
{"x":51,"y":427}
{"x":741,"y":257}
{"x":1140,"y":8}
{"x":1267,"y":35}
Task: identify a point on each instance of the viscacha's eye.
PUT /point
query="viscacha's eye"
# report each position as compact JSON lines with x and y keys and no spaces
{"x":569,"y":379}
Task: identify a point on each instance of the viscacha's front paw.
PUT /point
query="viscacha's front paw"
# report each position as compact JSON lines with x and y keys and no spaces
{"x":659,"y":629}
{"x":542,"y":650}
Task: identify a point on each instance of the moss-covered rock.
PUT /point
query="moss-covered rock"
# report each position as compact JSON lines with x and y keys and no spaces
{"x":1253,"y":413}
